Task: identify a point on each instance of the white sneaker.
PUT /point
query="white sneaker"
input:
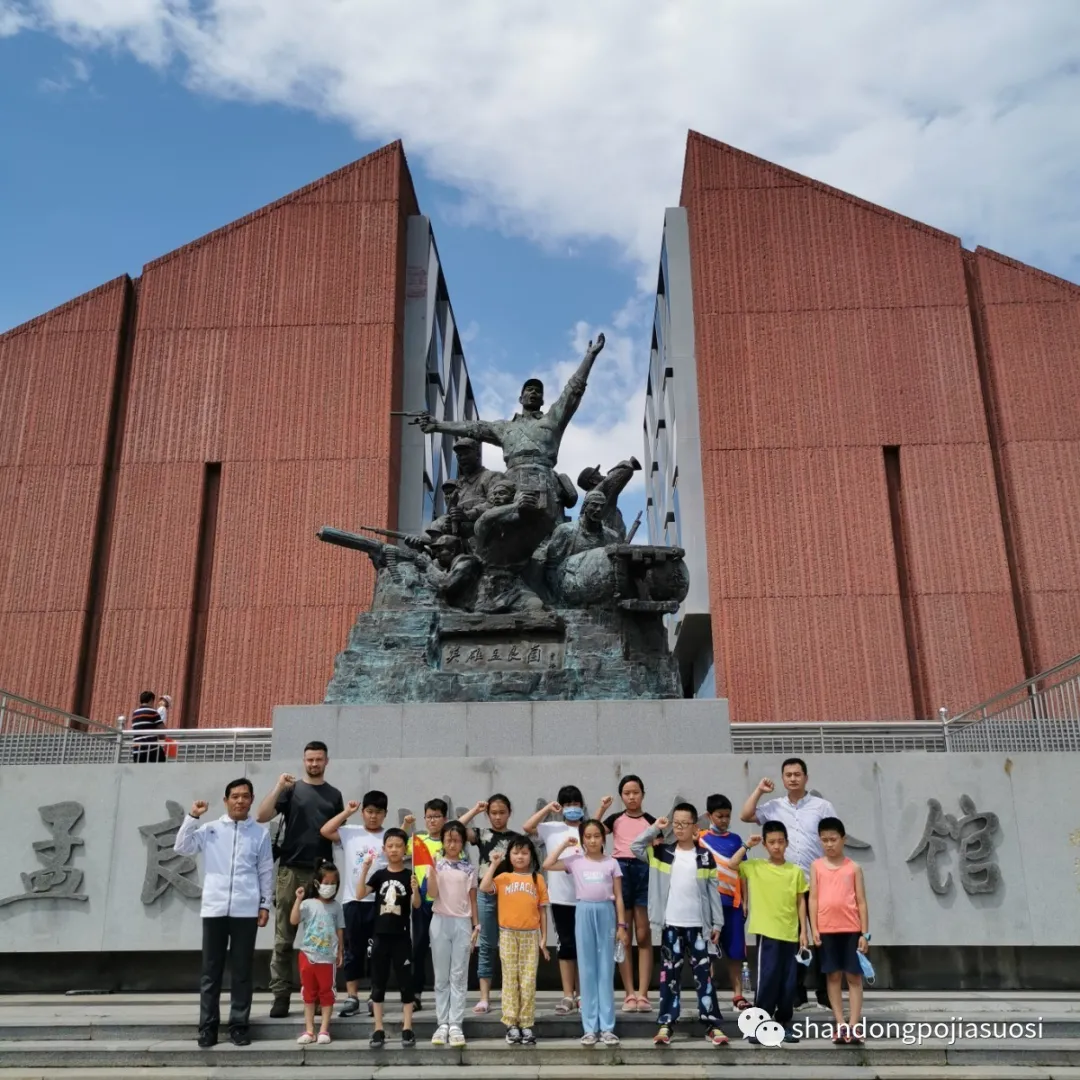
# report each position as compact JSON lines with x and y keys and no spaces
{"x":440,"y":1036}
{"x":324,"y":1038}
{"x":457,"y":1037}
{"x":306,"y":1038}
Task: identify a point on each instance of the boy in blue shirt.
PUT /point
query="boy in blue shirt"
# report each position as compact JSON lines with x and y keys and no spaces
{"x":723,"y":844}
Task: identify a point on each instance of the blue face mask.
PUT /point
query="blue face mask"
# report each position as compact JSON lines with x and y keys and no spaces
{"x":573,"y":813}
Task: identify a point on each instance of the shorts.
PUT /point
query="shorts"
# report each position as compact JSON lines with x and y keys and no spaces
{"x":563,"y":915}
{"x":733,"y":934}
{"x":840,"y":952}
{"x":635,"y":883}
{"x":316,"y":982}
{"x":359,"y":930}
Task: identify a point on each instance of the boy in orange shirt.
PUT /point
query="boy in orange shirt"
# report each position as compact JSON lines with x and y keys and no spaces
{"x":840,"y":920}
{"x":522,"y":903}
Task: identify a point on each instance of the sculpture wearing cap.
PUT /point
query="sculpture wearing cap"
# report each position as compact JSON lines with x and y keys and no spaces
{"x":611,"y":486}
{"x":530,"y":441}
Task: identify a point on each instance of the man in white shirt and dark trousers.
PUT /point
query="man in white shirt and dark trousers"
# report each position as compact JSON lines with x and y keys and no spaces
{"x":238,"y":879}
{"x":800,"y":813}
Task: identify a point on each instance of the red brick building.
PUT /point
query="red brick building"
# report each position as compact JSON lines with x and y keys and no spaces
{"x":172,"y":443}
{"x":876,"y":433}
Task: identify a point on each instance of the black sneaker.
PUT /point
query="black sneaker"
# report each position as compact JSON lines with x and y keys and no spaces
{"x":527,"y":1037}
{"x":790,"y":1036}
{"x":239,"y":1037}
{"x":207,"y":1039}
{"x":408,"y":1039}
{"x":351,"y":1007}
{"x":280,"y":1008}
{"x":417,"y":1005}
{"x":378,"y":1039}
{"x":513,"y":1036}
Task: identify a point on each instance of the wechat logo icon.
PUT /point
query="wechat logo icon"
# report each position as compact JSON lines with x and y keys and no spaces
{"x":757,"y":1024}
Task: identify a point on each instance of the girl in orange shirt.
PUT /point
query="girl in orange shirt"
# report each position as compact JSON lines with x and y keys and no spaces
{"x":522,"y":901}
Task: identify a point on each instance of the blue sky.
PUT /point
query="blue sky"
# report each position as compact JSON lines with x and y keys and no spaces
{"x":544,"y":141}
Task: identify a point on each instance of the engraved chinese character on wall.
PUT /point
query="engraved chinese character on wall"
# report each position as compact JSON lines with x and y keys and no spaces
{"x":58,"y":880}
{"x":972,"y":834}
{"x":166,"y":869}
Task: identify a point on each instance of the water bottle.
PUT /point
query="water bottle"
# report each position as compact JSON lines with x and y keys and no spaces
{"x":745,"y":980}
{"x":620,"y":951}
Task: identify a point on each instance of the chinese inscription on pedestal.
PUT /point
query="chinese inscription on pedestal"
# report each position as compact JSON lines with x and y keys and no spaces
{"x":166,"y":869}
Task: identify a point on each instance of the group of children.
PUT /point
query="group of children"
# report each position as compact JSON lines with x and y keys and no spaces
{"x":697,"y":892}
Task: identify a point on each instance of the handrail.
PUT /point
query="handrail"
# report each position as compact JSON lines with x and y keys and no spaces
{"x":985,"y":709}
{"x":54,"y":716}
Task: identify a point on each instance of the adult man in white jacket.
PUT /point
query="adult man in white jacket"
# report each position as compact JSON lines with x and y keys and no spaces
{"x":238,"y":870}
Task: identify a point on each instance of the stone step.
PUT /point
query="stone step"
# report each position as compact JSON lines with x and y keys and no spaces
{"x":1044,"y":1054}
{"x":747,"y":1071}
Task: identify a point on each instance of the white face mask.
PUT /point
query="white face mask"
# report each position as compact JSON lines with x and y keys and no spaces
{"x":327,"y":892}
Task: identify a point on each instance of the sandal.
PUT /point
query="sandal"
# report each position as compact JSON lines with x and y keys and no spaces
{"x":842,"y":1035}
{"x":740,"y":1003}
{"x":630,"y":1003}
{"x":565,"y":1006}
{"x":482,"y":1007}
{"x":644,"y":1004}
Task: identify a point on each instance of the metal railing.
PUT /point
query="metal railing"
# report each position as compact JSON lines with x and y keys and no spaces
{"x":36,"y":734}
{"x":1040,"y":714}
{"x":210,"y":744}
{"x":797,"y":738}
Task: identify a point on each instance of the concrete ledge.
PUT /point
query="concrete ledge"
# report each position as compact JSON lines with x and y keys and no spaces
{"x":507,"y":729}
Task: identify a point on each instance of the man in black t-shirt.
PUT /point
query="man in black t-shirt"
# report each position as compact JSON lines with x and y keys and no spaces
{"x":396,"y":894}
{"x":305,"y":806}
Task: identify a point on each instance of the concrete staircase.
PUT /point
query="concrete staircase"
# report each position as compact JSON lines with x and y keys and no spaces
{"x":127,"y":1036}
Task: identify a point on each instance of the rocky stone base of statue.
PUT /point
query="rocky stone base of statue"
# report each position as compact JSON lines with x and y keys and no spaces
{"x":432,"y":655}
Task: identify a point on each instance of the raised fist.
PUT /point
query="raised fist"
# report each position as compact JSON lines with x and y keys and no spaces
{"x":554,"y":807}
{"x":198,"y":808}
{"x":352,"y":806}
{"x":753,"y":841}
{"x":662,"y":823}
{"x":480,"y":807}
{"x":369,"y":858}
{"x":286,"y":780}
{"x":497,"y":857}
{"x":408,"y":821}
{"x":301,"y":893}
{"x":605,"y":803}
{"x":766,"y":785}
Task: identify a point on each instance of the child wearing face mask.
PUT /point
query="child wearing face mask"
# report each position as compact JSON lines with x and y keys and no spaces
{"x":570,"y":804}
{"x":522,"y":902}
{"x":321,"y":945}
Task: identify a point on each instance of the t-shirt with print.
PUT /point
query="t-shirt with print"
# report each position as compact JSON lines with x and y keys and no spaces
{"x":320,"y":920}
{"x":392,"y":893}
{"x":594,"y":879}
{"x":356,"y":842}
{"x":489,"y":841}
{"x":725,"y":845}
{"x":560,"y":886}
{"x":625,"y":830}
{"x":457,"y":879}
{"x":520,"y":900}
{"x":305,"y":809}
{"x":774,"y":897}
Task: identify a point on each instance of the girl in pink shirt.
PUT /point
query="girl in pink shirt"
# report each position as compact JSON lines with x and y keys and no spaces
{"x":600,"y":919}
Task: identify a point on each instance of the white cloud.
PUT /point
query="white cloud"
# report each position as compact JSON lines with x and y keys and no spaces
{"x":75,"y":74}
{"x":567,"y":123}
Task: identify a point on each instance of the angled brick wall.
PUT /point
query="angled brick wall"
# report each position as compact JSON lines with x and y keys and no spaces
{"x":831,"y":334}
{"x":1031,"y":344}
{"x":266,"y":361}
{"x":57,"y":376}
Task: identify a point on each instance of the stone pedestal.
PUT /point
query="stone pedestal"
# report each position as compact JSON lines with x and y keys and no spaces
{"x":430,"y":655}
